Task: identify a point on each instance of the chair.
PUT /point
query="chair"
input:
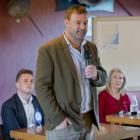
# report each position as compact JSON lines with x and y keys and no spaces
{"x":1,"y":134}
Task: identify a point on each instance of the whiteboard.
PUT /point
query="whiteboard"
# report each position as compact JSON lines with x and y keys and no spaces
{"x":118,"y":42}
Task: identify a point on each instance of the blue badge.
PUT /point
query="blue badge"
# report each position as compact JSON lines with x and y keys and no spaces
{"x":38,"y":117}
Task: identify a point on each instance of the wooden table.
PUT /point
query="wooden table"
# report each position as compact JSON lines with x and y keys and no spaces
{"x":29,"y":134}
{"x":107,"y":132}
{"x":116,"y":132}
{"x":124,"y":119}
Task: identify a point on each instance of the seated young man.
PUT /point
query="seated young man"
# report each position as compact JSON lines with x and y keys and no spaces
{"x":21,"y":109}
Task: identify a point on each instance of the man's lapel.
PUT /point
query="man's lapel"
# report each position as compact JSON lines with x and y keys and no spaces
{"x":68,"y":57}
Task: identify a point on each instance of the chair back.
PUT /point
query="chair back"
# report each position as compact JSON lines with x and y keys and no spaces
{"x":1,"y":133}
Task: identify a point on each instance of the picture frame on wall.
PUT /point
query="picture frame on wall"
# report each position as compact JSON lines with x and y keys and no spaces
{"x":91,"y":5}
{"x":118,"y":46}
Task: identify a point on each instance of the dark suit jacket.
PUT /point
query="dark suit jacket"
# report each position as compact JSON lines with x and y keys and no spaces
{"x":57,"y":86}
{"x":13,"y":114}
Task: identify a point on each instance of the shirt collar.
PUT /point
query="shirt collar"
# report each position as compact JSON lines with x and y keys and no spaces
{"x":66,"y":39}
{"x":69,"y":44}
{"x":24,"y":101}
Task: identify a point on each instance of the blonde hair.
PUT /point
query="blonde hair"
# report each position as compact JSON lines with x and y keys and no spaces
{"x":109,"y":79}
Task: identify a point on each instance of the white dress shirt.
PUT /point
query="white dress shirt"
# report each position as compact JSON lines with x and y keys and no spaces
{"x":29,"y":111}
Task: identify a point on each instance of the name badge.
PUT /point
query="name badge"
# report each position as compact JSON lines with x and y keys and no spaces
{"x":38,"y":117}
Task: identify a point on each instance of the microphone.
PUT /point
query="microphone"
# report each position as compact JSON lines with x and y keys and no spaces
{"x":87,"y":56}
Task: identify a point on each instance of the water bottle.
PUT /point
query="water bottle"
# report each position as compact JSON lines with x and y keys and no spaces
{"x":134,"y":105}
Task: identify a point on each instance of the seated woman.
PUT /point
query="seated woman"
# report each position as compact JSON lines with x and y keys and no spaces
{"x":113,"y":99}
{"x":22,"y":110}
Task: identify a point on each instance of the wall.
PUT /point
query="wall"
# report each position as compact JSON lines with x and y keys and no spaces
{"x":19,"y":42}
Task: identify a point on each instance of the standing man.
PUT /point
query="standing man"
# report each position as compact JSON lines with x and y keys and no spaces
{"x":62,"y":80}
{"x":19,"y":111}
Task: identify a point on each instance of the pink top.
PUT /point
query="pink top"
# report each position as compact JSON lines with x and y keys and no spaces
{"x":109,"y":105}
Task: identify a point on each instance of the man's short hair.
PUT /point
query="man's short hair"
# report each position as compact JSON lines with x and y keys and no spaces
{"x":23,"y":71}
{"x":75,"y":9}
